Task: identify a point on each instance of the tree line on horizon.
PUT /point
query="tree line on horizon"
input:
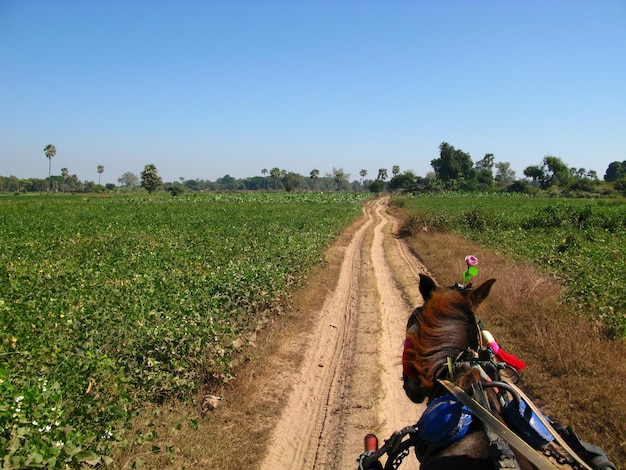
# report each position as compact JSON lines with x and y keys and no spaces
{"x":453,"y":170}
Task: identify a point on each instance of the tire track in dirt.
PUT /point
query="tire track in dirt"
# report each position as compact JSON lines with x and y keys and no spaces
{"x":306,"y":418}
{"x":395,"y":409}
{"x":333,"y":403}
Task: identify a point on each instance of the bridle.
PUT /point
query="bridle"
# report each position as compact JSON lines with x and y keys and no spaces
{"x":484,"y":363}
{"x":489,"y":371}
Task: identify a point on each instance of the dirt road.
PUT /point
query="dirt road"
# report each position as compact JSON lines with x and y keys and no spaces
{"x":349,"y":383}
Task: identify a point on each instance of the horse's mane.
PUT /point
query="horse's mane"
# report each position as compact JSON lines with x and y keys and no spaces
{"x":445,"y":327}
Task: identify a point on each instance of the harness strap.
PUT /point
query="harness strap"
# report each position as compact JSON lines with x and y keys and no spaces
{"x":486,"y":417}
{"x":501,"y":454}
{"x":593,"y":454}
{"x":555,"y":434}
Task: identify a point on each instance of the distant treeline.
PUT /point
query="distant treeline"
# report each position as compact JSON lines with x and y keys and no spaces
{"x":453,"y":170}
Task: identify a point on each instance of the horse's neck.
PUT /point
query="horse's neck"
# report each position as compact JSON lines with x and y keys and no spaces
{"x":471,"y":453}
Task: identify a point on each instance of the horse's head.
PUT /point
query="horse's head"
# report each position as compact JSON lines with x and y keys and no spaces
{"x":445,"y":326}
{"x":444,"y":342}
{"x":474,"y":296}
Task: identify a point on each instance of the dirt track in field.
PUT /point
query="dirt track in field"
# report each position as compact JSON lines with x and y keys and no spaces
{"x":349,"y":382}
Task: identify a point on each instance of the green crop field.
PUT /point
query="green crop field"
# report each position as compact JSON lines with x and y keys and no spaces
{"x":107,"y":302}
{"x":582,"y":241}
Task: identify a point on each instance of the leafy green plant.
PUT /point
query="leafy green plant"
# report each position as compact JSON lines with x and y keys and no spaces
{"x":109,"y":302}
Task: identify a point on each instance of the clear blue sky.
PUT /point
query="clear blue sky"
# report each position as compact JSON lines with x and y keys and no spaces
{"x":203,"y":89}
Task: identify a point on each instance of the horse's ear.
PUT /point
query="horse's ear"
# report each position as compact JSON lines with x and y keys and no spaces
{"x":480,"y":293}
{"x":427,"y":286}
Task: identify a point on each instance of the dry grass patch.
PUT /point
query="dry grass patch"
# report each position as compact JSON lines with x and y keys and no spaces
{"x":574,"y":372}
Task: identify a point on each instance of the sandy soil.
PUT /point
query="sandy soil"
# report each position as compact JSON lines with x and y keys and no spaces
{"x":349,"y":382}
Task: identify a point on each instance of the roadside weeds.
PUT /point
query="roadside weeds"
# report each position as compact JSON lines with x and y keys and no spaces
{"x":573,"y":371}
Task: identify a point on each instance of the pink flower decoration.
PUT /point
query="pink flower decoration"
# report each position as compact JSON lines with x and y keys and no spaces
{"x":471,"y":260}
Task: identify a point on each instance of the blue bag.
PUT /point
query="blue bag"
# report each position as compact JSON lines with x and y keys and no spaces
{"x":445,"y":421}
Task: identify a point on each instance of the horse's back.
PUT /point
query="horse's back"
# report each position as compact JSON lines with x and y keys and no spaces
{"x":470,"y":453}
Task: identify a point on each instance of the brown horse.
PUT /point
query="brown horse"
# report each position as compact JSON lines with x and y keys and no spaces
{"x":444,"y":341}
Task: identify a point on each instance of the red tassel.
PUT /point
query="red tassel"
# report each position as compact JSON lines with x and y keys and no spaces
{"x":510,"y":359}
{"x":503,"y":356}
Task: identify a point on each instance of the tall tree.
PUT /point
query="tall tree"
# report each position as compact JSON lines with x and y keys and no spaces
{"x":275,"y":175}
{"x":314,"y":175}
{"x":504,"y":174}
{"x":100,"y":171}
{"x":484,"y":171}
{"x":362,"y":174}
{"x":382,"y":174}
{"x":128,"y":180}
{"x":74,"y":183}
{"x":405,"y":181}
{"x":377,"y":186}
{"x":395,"y":170}
{"x":227,"y":182}
{"x":50,"y":151}
{"x":150,"y":178}
{"x":293,"y":181}
{"x":340,"y":177}
{"x":615,"y":171}
{"x":486,"y":163}
{"x":13,"y":184}
{"x":556,"y":171}
{"x":453,"y":165}
{"x":536,"y":174}
{"x":553,"y":172}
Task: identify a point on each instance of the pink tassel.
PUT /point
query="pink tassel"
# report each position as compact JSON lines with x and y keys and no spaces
{"x":510,"y":359}
{"x":502,"y":355}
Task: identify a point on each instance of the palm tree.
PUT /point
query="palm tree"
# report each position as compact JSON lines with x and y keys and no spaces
{"x":339,"y":176}
{"x":382,"y":174}
{"x":50,"y":151}
{"x":314,"y":175}
{"x":363,"y":174}
{"x":275,"y":175}
{"x":100,"y":171}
